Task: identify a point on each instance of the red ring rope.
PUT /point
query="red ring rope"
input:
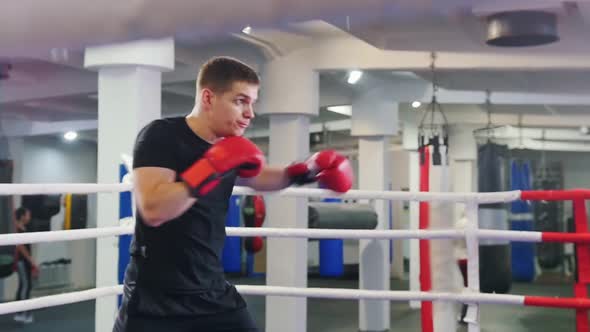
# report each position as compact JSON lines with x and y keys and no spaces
{"x":555,"y":195}
{"x":426,"y":313}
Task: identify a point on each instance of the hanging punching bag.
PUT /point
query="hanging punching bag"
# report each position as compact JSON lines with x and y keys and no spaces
{"x":232,"y":252}
{"x":547,"y":216}
{"x":495,"y":266}
{"x":253,"y":212}
{"x":7,"y":253}
{"x":521,"y":219}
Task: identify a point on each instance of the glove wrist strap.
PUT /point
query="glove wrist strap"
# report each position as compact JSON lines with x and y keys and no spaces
{"x":200,"y":178}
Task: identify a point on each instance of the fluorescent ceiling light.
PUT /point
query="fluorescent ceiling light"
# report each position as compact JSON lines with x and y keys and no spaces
{"x":70,"y":135}
{"x":354,"y":76}
{"x":342,"y":109}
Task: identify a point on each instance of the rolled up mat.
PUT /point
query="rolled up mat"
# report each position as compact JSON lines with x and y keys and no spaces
{"x":495,"y":263}
{"x":341,"y":216}
{"x":330,"y":214}
{"x":521,"y":219}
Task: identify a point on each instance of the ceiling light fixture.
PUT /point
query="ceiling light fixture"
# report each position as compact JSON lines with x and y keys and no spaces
{"x":354,"y":76}
{"x":341,"y":109}
{"x":70,"y":136}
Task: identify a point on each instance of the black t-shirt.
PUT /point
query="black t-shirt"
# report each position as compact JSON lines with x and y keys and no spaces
{"x":176,"y":268}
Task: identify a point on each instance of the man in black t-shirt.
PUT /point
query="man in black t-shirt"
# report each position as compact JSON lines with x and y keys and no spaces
{"x":184,"y":170}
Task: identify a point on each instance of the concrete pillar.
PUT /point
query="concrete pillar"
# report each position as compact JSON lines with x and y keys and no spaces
{"x":399,"y":218}
{"x":129,"y":97}
{"x":374,"y":120}
{"x":290,"y":96}
{"x":463,"y":161}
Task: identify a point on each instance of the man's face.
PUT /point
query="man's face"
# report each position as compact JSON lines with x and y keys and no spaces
{"x":231,"y":111}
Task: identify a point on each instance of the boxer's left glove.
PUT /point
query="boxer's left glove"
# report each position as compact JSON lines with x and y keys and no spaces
{"x":329,"y":168}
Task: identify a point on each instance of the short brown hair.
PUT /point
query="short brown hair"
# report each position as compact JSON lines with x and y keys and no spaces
{"x":219,"y":73}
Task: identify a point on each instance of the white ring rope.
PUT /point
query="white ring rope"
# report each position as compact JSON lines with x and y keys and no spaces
{"x":59,"y":188}
{"x":481,"y":198}
{"x":67,"y":235}
{"x":343,"y":233}
{"x":469,"y":198}
{"x":362,"y":294}
{"x":328,"y":293}
{"x":87,"y":188}
{"x":89,"y":233}
{"x":61,"y":299}
{"x":514,"y":236}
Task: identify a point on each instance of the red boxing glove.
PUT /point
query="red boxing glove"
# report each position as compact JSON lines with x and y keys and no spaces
{"x":259,"y":211}
{"x":253,"y":211}
{"x":232,"y":154}
{"x":330,"y":169}
{"x":254,"y":244}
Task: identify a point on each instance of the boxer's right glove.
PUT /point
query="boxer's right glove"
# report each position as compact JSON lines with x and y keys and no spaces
{"x":232,"y":154}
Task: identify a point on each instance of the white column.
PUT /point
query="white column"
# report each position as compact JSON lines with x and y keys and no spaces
{"x":374,"y":268}
{"x":129,"y":96}
{"x":410,"y":143}
{"x":463,"y":161}
{"x":290,"y":95}
{"x":446,"y":277}
{"x":374,"y":120}
{"x":287,"y":258}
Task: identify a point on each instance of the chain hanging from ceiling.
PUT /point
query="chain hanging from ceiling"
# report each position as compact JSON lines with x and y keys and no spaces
{"x":433,"y":128}
{"x":488,"y":131}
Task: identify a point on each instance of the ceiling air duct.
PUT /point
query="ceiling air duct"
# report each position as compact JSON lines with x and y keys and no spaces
{"x":522,"y":28}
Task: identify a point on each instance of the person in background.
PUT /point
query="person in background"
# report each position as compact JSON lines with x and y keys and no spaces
{"x":25,"y":264}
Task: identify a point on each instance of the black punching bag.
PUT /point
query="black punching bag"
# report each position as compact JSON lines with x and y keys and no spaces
{"x":494,"y":270}
{"x":6,"y":214}
{"x":79,"y":211}
{"x":547,"y":219}
{"x":43,"y":208}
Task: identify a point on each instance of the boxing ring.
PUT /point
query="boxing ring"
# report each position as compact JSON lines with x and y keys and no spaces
{"x":472,"y":235}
